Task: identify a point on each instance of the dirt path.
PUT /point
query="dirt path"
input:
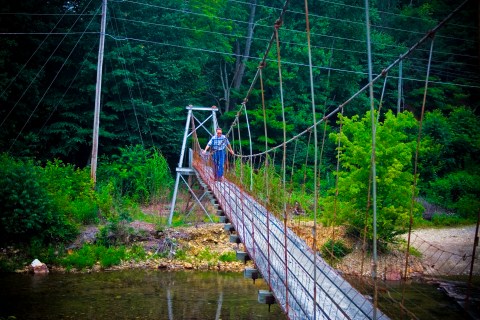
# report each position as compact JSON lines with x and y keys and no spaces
{"x":435,"y":252}
{"x":446,"y":251}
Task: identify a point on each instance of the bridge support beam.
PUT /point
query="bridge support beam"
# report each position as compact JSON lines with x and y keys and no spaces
{"x":187,"y":169}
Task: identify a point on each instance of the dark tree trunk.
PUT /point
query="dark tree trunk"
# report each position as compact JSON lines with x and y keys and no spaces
{"x":242,"y":60}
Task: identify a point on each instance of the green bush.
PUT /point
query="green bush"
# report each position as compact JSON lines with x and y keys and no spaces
{"x":228,"y":257}
{"x":115,"y":232}
{"x":334,"y":249}
{"x":138,"y":174}
{"x":85,"y":257}
{"x":27,"y":211}
{"x":72,"y":191}
{"x":136,"y":253}
{"x":88,"y":255}
{"x":111,"y":256}
{"x":448,"y":220}
{"x":457,"y":191}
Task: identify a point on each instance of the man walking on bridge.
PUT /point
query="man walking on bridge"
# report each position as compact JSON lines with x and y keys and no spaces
{"x":218,"y":143}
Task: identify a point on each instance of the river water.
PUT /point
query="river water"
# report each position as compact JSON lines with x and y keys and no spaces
{"x":155,"y":294}
{"x":133,"y":294}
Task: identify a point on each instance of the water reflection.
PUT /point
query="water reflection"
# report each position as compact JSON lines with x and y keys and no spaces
{"x":135,"y":294}
{"x":150,"y":294}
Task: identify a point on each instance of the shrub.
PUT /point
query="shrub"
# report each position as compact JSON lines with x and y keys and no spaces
{"x":136,"y":253}
{"x":115,"y":232}
{"x":111,"y":256}
{"x":448,"y":220}
{"x":457,"y":191}
{"x":334,"y":249}
{"x":228,"y":257}
{"x":27,"y":210}
{"x":85,"y":257}
{"x":138,"y":174}
{"x":88,"y":255}
{"x":72,"y":190}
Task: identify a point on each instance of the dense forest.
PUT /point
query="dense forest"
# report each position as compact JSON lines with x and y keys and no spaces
{"x":163,"y":55}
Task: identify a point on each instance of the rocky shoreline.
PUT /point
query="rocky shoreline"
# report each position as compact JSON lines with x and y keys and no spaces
{"x":203,"y":244}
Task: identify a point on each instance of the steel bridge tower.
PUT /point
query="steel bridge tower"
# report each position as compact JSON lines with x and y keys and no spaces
{"x":184,"y":169}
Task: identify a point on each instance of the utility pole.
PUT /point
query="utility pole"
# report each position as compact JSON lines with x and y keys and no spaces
{"x":96,"y":116}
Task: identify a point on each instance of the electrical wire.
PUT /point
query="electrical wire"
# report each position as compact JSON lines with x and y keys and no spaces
{"x":271,"y":60}
{"x":51,"y":83}
{"x":41,"y":69}
{"x":288,"y":43}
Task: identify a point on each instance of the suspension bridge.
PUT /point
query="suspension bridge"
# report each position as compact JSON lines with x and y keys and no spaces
{"x":299,"y":279}
{"x":304,"y":285}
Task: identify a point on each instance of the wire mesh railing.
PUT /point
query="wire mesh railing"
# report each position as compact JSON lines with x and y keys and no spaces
{"x":286,"y":262}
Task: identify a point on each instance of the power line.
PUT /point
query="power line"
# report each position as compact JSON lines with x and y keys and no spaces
{"x":283,"y":62}
{"x":48,"y":14}
{"x":41,"y":69}
{"x":130,"y":91}
{"x":47,"y":33}
{"x":53,"y":80}
{"x":283,"y":42}
{"x":269,"y":26}
{"x":351,"y":21}
{"x":389,"y":13}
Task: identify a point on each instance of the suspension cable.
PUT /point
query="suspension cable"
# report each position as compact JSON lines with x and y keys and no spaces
{"x":375,"y":79}
{"x":417,"y":151}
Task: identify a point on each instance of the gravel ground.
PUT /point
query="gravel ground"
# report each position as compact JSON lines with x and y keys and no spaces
{"x":446,"y":251}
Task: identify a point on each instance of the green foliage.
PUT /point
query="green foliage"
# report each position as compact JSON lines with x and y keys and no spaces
{"x":27,"y":211}
{"x":111,"y":256}
{"x":207,"y":255}
{"x":181,"y":255}
{"x":458,"y":191}
{"x":334,"y":249}
{"x":448,"y":220}
{"x":135,"y":253}
{"x":72,"y":190}
{"x":85,"y":257}
{"x":115,"y":232}
{"x":137,"y":174}
{"x":266,"y":186}
{"x":89,"y":255}
{"x":394,"y":177}
{"x":230,"y":256}
{"x":448,"y":159}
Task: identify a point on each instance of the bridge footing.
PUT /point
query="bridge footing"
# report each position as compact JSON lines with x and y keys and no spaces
{"x":229,"y":227}
{"x":266,"y":297}
{"x":243,"y":256}
{"x":252,"y":273}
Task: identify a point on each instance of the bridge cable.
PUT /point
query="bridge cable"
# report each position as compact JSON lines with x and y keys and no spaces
{"x":250,"y":140}
{"x":373,"y":160}
{"x":59,"y":101}
{"x":117,"y":87}
{"x":315,"y":170}
{"x":264,"y":59}
{"x":415,"y":172}
{"x":277,"y":25}
{"x":139,"y":88}
{"x":129,"y":86}
{"x":376,"y":78}
{"x":266,"y":176}
{"x":28,"y":60}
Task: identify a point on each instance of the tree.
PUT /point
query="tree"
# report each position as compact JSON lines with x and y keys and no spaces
{"x":394,"y":150}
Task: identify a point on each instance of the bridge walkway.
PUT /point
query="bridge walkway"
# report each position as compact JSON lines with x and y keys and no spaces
{"x":303,"y":284}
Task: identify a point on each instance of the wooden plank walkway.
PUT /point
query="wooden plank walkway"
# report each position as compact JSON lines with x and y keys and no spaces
{"x":290,"y":273}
